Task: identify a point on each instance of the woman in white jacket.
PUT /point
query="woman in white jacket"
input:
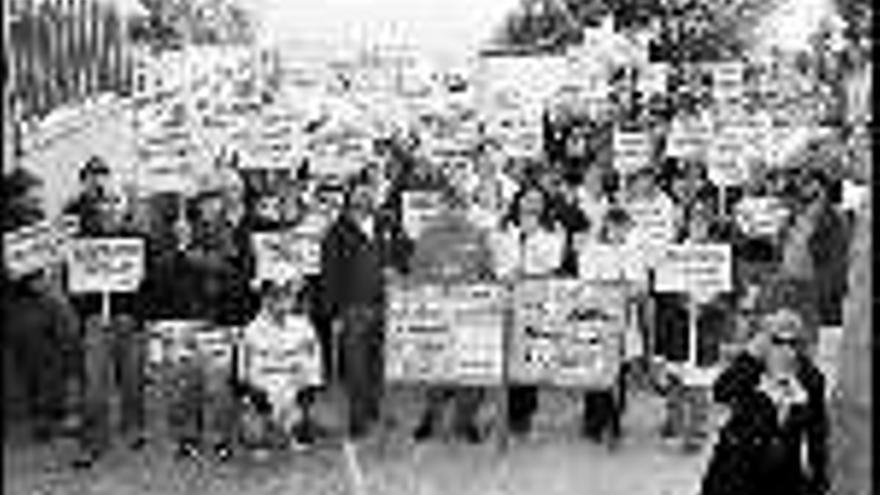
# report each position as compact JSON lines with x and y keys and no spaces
{"x":527,"y":245}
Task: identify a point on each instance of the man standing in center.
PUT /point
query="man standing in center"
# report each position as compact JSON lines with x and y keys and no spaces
{"x":357,"y":253}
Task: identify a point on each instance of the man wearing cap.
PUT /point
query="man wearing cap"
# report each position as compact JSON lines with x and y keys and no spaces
{"x":356,"y":253}
{"x":112,"y":352}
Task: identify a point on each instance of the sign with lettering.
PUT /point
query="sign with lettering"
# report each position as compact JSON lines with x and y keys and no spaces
{"x":699,"y":269}
{"x":611,"y":263}
{"x":632,"y":151}
{"x":445,"y":334}
{"x":567,"y":332}
{"x":105,"y":264}
{"x":420,"y":208}
{"x":38,"y":246}
{"x":285,"y":255}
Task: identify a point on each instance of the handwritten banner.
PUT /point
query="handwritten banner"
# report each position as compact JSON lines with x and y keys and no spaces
{"x":286,"y":255}
{"x":34,"y":247}
{"x":420,"y":208}
{"x":699,"y":269}
{"x":105,"y":264}
{"x":445,"y":334}
{"x":567,"y":332}
{"x":632,"y":151}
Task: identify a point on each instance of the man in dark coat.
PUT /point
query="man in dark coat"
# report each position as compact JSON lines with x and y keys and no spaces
{"x":776,"y":398}
{"x":355,"y":253}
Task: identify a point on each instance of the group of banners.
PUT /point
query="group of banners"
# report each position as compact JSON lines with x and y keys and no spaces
{"x":563,"y":332}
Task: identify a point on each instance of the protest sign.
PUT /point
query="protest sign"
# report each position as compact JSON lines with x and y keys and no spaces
{"x":632,"y":151}
{"x":285,"y":255}
{"x":688,"y":138}
{"x":38,"y":246}
{"x":420,"y":209}
{"x":727,"y":162}
{"x":761,"y":216}
{"x":699,"y":269}
{"x":445,"y":334}
{"x":654,"y":221}
{"x":105,"y":264}
{"x":170,"y":342}
{"x":728,"y":82}
{"x":611,"y":263}
{"x":288,"y":353}
{"x":567,"y":332}
{"x":652,"y":78}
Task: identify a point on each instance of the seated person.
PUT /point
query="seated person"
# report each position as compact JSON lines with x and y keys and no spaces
{"x":278,"y":363}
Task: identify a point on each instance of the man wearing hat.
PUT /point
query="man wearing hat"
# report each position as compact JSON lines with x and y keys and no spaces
{"x":112,"y":352}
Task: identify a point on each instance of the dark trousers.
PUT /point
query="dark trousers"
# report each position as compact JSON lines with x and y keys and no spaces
{"x":522,"y":402}
{"x":603,"y":409}
{"x":37,"y":348}
{"x":203,"y":409}
{"x":362,"y":369}
{"x":113,"y":359}
{"x":465,"y":401}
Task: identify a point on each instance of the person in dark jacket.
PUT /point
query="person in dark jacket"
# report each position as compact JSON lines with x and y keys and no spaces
{"x":112,"y":352}
{"x":776,"y":397}
{"x":356,"y":252}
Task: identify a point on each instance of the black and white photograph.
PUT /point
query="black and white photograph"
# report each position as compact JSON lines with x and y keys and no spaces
{"x":429,"y":247}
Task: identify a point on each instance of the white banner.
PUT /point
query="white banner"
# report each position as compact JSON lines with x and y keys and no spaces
{"x":567,"y":332}
{"x":445,"y":334}
{"x":38,"y":246}
{"x":285,"y":255}
{"x":420,"y":208}
{"x":632,"y":151}
{"x":105,"y":264}
{"x":699,"y":269}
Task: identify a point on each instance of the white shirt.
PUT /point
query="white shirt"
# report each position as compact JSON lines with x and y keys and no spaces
{"x":281,"y":357}
{"x":538,"y":253}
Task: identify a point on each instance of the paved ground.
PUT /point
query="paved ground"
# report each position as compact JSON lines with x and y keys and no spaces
{"x":552,"y":461}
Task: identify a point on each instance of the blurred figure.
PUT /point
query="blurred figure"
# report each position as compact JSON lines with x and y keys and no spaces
{"x":528,"y":244}
{"x":452,"y":250}
{"x":776,"y":397}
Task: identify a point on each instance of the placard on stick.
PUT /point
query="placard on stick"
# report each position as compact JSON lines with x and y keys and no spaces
{"x":698,"y":269}
{"x":105,"y":265}
{"x":286,"y":254}
{"x":34,"y":247}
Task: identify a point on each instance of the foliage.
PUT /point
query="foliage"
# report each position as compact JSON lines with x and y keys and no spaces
{"x":171,"y":23}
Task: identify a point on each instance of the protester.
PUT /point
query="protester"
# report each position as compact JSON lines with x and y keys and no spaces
{"x":278,"y":393}
{"x":776,"y":397}
{"x":356,"y":253}
{"x":451,"y":250}
{"x":528,"y":244}
{"x":113,"y":343}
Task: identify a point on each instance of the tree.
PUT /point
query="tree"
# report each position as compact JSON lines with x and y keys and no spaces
{"x":170,"y":23}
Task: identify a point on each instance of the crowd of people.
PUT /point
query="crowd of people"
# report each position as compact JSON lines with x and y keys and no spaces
{"x":501,"y":219}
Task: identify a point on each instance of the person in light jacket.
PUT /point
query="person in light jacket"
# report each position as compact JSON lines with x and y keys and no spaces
{"x":527,"y":245}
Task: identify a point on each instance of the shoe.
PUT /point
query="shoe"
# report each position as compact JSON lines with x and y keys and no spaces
{"x":423,"y":432}
{"x":187,"y":449}
{"x":470,"y":434}
{"x":138,"y":443}
{"x":85,"y":460}
{"x":223,"y":452}
{"x":520,"y":426}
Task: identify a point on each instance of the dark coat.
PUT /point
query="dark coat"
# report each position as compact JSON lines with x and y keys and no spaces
{"x":352,"y":263}
{"x":755,"y":454}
